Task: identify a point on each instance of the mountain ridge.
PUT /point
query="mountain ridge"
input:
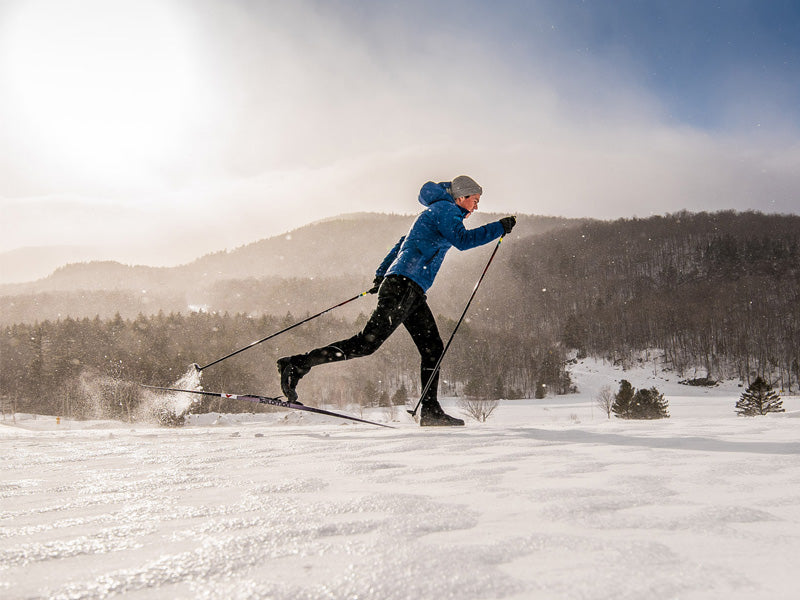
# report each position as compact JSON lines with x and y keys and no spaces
{"x":313,"y":250}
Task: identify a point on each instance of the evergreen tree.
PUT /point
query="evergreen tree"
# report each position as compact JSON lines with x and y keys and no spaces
{"x":367,"y":393}
{"x":649,"y":404}
{"x":623,"y":400}
{"x":639,"y":404}
{"x":400,"y":397}
{"x":759,"y":399}
{"x":551,"y":368}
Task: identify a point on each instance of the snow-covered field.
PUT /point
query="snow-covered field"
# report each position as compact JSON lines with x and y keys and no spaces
{"x":548,"y":499}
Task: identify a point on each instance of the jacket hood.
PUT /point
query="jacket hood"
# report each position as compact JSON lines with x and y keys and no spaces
{"x":434,"y":192}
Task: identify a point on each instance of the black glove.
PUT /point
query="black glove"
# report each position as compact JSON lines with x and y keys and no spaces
{"x":376,"y":284}
{"x":508,"y":224}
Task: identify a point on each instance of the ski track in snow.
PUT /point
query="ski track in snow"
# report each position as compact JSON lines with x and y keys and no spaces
{"x":546,"y":500}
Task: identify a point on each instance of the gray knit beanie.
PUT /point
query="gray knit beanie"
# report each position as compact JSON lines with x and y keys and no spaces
{"x":464,"y":186}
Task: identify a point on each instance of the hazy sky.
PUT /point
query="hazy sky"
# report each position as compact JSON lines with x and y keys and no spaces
{"x":164,"y":129}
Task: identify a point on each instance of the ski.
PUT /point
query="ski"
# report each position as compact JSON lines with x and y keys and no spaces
{"x":269,"y":400}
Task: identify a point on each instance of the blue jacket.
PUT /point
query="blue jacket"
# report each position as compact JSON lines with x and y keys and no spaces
{"x":419,"y":254}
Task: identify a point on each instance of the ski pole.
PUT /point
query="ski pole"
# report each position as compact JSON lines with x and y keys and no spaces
{"x":269,"y":337}
{"x":413,"y":413}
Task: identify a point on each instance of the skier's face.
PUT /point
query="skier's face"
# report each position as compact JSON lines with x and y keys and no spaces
{"x":469,"y":203}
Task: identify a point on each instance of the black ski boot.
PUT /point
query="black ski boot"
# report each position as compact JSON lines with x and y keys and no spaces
{"x":432,"y":415}
{"x":290,"y":373}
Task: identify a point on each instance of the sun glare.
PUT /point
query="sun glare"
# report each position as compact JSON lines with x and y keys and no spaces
{"x":102,"y":89}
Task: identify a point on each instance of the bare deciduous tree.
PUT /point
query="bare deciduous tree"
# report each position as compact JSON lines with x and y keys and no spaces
{"x":605,"y":399}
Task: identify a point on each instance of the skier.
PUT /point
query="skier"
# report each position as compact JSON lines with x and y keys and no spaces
{"x":401,"y":281}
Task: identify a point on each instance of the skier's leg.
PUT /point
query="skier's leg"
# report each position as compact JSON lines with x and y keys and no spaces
{"x":422,"y":327}
{"x":397,"y":297}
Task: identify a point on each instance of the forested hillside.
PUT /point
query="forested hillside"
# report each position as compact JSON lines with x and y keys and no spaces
{"x":718,"y":293}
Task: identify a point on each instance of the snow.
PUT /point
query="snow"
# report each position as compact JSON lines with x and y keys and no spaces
{"x":547,"y":499}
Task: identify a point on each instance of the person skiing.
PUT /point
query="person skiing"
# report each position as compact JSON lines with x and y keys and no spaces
{"x":401,"y":281}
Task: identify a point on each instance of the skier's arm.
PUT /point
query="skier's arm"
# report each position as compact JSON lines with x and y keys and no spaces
{"x":384,"y":266}
{"x":450,"y":225}
{"x":387,"y":262}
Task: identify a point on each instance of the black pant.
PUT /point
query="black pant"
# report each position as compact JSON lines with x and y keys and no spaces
{"x":400,"y":301}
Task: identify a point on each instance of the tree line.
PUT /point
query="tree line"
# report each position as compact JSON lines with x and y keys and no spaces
{"x":92,"y":367}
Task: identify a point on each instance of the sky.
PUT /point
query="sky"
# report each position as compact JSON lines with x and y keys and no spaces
{"x":159,"y":130}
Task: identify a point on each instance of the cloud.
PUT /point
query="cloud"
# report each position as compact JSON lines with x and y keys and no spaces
{"x":318,"y":109}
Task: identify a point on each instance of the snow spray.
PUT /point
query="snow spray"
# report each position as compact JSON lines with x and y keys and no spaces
{"x":172,"y":408}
